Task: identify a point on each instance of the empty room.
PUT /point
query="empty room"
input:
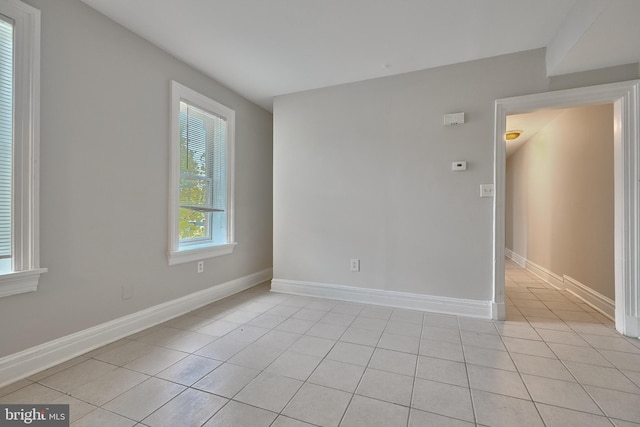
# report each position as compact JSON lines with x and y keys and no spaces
{"x":298,"y":213}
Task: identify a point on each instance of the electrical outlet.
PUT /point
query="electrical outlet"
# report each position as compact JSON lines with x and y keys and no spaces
{"x":486,"y":190}
{"x":200,"y":266}
{"x":355,"y":264}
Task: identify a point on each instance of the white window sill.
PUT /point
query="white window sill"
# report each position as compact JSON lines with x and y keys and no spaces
{"x":19,"y":282}
{"x":197,"y":253}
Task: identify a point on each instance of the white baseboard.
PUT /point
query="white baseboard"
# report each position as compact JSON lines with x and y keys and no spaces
{"x":27,"y":362}
{"x":546,"y":275}
{"x":520,"y":260}
{"x":596,"y":300}
{"x":603,"y":304}
{"x":411,"y":301}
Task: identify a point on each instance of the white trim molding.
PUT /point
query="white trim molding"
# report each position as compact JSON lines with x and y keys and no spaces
{"x":455,"y":306}
{"x":595,"y":299}
{"x":20,"y":365}
{"x":25,"y":271}
{"x":625,"y":97}
{"x":604,"y":305}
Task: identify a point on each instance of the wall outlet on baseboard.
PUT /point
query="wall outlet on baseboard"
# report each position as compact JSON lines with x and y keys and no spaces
{"x":355,"y":264}
{"x":200,"y":266}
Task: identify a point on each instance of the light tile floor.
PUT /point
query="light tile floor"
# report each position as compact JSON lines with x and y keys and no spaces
{"x":267,"y":359}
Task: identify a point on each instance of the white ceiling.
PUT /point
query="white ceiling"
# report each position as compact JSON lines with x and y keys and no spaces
{"x":530,"y":124}
{"x":264,"y":48}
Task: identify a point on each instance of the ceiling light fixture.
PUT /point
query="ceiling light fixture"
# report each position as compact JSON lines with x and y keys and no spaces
{"x":512,"y":134}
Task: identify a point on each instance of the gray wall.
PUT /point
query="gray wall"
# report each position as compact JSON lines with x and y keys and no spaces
{"x":104,"y":180}
{"x":560,"y":198}
{"x":363,"y":170}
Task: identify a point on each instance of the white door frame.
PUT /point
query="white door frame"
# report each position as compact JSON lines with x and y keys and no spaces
{"x":625,"y":98}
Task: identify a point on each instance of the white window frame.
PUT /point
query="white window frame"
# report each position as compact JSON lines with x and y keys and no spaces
{"x":188,"y":253}
{"x":26,"y":269}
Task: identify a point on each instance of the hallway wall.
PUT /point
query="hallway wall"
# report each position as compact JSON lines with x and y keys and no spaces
{"x":560,"y":198}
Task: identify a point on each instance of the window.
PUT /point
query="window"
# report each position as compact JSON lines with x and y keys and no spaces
{"x":19,"y":143}
{"x":202,"y":147}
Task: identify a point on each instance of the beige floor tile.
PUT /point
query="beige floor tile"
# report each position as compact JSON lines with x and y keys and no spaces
{"x":309,"y":314}
{"x":366,"y":412}
{"x":279,"y":339}
{"x":189,"y":370}
{"x":144,"y":398}
{"x":562,"y":337}
{"x":156,"y":360}
{"x":441,"y":349}
{"x":318,"y":405}
{"x":108,"y":386}
{"x":361,"y":336}
{"x":399,"y":327}
{"x":239,"y":414}
{"x":266,"y":320}
{"x":440,"y":320}
{"x":78,"y":375}
{"x":256,"y":356}
{"x":503,"y":411}
{"x":34,"y":393}
{"x":399,"y":343}
{"x":283,"y":421}
{"x":269,"y":391}
{"x":441,"y":334}
{"x":419,"y":418}
{"x":351,"y":353}
{"x":327,"y":330}
{"x":191,"y":408}
{"x":125,"y":353}
{"x":294,"y":365}
{"x":218,"y":328}
{"x":489,"y":358}
{"x":222,"y":348}
{"x":497,"y":381}
{"x":11,"y":388}
{"x":617,"y":404}
{"x":369,"y":323}
{"x":573,"y":353}
{"x":530,"y":347}
{"x":57,"y":368}
{"x":296,"y":326}
{"x":565,"y":394}
{"x":387,"y":386}
{"x":338,"y":375}
{"x":482,"y":340}
{"x":554,"y":416}
{"x":227,"y":380}
{"x":446,"y":371}
{"x":333,"y":318}
{"x":313,"y":346}
{"x":602,"y":377}
{"x":443,"y":399}
{"x":541,"y":366}
{"x":102,"y":418}
{"x":77,"y":408}
{"x":393,"y":361}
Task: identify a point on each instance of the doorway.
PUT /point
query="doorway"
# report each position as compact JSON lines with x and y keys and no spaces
{"x":624,"y":96}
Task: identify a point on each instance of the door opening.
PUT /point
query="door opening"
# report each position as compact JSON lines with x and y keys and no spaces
{"x":624,"y":97}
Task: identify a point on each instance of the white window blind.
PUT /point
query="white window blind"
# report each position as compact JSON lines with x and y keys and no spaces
{"x":6,"y":136}
{"x":203,"y":175}
{"x":202,"y":186}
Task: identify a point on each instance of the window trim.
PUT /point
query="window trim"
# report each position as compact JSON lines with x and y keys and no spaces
{"x":25,"y":192}
{"x":196,"y":252}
